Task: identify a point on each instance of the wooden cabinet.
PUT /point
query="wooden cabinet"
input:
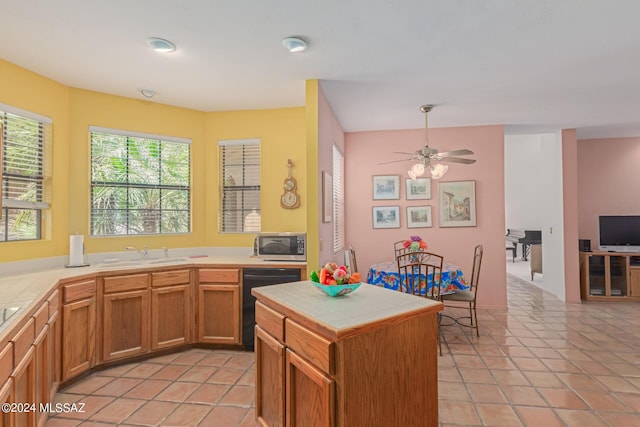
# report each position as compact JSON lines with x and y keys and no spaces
{"x":6,"y":383}
{"x":171,"y":318}
{"x":78,"y":328}
{"x":219,"y":306}
{"x":125,"y":318}
{"x":634,"y":282}
{"x":606,"y":276}
{"x":317,"y":367}
{"x":24,"y":373}
{"x":55,"y":351}
{"x":42,"y":350}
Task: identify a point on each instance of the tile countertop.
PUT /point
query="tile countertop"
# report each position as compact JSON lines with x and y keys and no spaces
{"x":340,"y":316}
{"x":26,"y":290}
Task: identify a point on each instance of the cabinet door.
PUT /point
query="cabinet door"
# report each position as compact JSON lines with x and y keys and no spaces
{"x":310,"y":397}
{"x":269,"y":355}
{"x":6,"y":418}
{"x":170,"y":316}
{"x":54,"y":355}
{"x":634,"y":282}
{"x":42,"y":347}
{"x":219,"y":314}
{"x":24,"y":388}
{"x":125,"y":324}
{"x":78,"y":337}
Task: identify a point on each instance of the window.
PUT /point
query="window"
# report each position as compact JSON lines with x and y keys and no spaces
{"x":240,"y":178}
{"x":338,"y":200}
{"x":140,"y":184}
{"x":25,"y":140}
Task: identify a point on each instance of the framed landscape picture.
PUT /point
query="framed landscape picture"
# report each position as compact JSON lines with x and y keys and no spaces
{"x":419,"y":216}
{"x":457,"y":203}
{"x":327,"y":197}
{"x":386,"y":217}
{"x":418,"y":189}
{"x":386,"y":187}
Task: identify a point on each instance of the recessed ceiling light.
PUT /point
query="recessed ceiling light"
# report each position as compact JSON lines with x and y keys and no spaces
{"x":294,"y":44}
{"x":147,"y":93}
{"x":161,"y":45}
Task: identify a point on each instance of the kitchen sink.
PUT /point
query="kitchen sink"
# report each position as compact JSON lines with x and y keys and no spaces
{"x":168,"y":260}
{"x":119,"y":264}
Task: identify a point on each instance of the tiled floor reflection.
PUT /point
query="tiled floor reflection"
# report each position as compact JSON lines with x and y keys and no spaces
{"x":539,"y":362}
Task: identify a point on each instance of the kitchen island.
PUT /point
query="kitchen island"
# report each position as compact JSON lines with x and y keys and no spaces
{"x":363,"y":359}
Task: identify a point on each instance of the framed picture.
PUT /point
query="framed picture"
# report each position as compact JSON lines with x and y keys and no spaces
{"x":386,"y":187}
{"x":327,"y":197}
{"x":419,"y":216}
{"x":386,"y":217}
{"x":457,"y":203}
{"x":418,"y":189}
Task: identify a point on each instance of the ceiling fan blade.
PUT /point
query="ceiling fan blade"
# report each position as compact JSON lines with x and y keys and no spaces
{"x":463,"y":152}
{"x":402,"y":152}
{"x":396,"y":161}
{"x":457,"y":160}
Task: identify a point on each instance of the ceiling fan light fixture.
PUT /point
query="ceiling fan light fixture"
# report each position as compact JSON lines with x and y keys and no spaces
{"x":438,"y":170}
{"x":294,"y":44}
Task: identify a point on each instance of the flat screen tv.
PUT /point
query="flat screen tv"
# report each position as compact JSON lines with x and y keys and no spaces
{"x":619,"y":233}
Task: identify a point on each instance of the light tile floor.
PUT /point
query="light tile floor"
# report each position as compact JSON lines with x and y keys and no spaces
{"x":539,"y":362}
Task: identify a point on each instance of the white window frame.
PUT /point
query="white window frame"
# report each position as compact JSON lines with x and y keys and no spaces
{"x":338,"y":201}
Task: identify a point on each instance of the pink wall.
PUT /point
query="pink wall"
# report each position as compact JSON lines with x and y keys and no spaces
{"x":608,"y":182}
{"x":364,"y":152}
{"x":570,"y":212}
{"x":329,"y":133}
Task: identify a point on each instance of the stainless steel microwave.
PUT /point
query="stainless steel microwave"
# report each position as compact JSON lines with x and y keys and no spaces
{"x":281,"y":246}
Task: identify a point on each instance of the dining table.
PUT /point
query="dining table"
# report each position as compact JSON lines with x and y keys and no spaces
{"x":386,"y":274}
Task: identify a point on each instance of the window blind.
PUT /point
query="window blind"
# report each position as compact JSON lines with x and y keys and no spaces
{"x":25,"y":173}
{"x":240,"y":185}
{"x":338,"y":200}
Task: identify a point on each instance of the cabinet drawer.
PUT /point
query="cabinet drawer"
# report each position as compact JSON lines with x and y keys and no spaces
{"x":53,"y":303}
{"x":78,"y":291}
{"x":22,"y":341}
{"x":169,"y":278}
{"x":41,"y":316}
{"x":310,"y":345}
{"x":230,"y":275}
{"x":6,"y":362}
{"x":271,"y":321}
{"x":131,"y":282}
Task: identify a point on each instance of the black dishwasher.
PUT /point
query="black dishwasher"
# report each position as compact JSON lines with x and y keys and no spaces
{"x":252,"y":278}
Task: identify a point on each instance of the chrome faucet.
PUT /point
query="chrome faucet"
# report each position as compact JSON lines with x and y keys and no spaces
{"x":144,"y":253}
{"x":166,"y":251}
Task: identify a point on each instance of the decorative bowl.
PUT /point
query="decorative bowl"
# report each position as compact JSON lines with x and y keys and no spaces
{"x":337,"y":290}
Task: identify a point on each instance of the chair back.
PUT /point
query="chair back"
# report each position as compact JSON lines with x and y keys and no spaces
{"x":420,"y":274}
{"x":475,"y":270}
{"x":398,"y":248}
{"x":353,"y":264}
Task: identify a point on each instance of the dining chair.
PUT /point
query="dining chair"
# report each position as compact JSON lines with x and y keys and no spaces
{"x":352,"y":259}
{"x":468,"y":296}
{"x":417,"y":271}
{"x":398,"y":248}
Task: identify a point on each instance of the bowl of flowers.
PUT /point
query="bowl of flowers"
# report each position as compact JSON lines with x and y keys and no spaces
{"x":335,"y":280}
{"x":415,"y":244}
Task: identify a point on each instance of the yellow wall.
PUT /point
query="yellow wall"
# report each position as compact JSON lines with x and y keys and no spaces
{"x":282,"y":137}
{"x":282,"y":133}
{"x":23,"y":89}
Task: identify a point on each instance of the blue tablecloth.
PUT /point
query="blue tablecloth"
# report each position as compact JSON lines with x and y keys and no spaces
{"x":386,"y":274}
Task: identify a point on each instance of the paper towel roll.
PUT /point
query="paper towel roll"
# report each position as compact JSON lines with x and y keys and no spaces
{"x":76,"y":250}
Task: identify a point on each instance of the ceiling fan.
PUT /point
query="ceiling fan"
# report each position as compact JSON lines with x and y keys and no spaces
{"x":426,"y":155}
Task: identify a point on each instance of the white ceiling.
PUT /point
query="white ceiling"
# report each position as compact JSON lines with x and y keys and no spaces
{"x":532,"y":65}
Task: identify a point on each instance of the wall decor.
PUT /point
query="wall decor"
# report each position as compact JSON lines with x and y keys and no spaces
{"x":386,"y":187}
{"x":419,"y":216}
{"x":418,"y":189}
{"x":386,"y":217}
{"x":457,"y":203}
{"x":327,"y":197}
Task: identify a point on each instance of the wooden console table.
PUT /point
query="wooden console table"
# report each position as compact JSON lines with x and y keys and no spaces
{"x":610,"y":276}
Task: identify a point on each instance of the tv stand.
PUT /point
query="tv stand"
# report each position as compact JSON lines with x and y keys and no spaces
{"x":610,"y":276}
